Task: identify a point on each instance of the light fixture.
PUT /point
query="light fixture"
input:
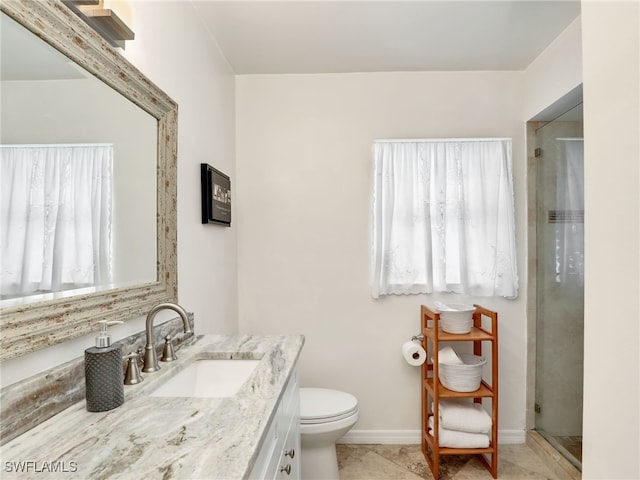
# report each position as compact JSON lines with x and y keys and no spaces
{"x":102,"y":20}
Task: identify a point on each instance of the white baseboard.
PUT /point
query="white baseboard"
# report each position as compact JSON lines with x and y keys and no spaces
{"x":512,"y":437}
{"x":386,"y":437}
{"x":413,"y":437}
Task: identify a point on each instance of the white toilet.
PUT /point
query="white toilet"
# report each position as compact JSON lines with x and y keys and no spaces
{"x":325,"y":416}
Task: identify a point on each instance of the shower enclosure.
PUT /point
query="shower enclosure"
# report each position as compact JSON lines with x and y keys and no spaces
{"x":560,"y":283}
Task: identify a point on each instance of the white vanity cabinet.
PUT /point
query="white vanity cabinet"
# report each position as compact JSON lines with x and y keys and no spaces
{"x":279,"y":457}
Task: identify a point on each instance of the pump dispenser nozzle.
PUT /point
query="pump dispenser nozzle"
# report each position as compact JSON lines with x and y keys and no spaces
{"x":104,"y":339}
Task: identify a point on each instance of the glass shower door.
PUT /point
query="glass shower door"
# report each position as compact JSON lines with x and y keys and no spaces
{"x":560,"y":283}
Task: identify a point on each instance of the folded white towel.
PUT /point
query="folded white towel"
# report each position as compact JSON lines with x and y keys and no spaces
{"x":454,"y":439}
{"x":464,"y":416}
{"x":449,"y":356}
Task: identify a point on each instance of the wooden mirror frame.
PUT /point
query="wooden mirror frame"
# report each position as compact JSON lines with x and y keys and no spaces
{"x":30,"y":327}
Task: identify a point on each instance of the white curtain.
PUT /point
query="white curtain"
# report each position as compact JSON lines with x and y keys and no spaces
{"x":443,"y":218}
{"x":569,"y":252}
{"x":55,"y":217}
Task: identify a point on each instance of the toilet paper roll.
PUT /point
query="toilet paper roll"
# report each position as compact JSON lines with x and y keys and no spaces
{"x":413,"y":353}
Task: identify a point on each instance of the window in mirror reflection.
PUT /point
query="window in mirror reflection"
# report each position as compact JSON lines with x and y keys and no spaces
{"x":55,"y":219}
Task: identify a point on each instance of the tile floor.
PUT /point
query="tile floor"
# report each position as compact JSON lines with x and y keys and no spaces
{"x":406,"y":462}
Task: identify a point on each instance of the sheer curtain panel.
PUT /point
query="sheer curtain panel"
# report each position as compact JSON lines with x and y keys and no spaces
{"x":443,"y":218}
{"x":55,"y":217}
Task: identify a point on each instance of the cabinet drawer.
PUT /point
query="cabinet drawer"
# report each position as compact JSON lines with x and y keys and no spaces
{"x":265,"y":462}
{"x":289,"y":463}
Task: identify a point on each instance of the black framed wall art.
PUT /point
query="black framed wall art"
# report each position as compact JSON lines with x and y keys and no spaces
{"x":216,"y":196}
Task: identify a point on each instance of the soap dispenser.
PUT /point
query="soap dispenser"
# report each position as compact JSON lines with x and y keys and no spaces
{"x":104,"y":379}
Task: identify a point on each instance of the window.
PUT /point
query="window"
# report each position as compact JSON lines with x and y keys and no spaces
{"x":55,"y":217}
{"x":443,"y":218}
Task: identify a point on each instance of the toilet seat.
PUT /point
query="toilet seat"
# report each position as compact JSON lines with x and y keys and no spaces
{"x":323,"y":405}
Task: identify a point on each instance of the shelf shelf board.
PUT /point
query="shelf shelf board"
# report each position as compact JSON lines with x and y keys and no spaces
{"x":109,"y":22}
{"x":483,"y":392}
{"x":476,"y":334}
{"x":103,"y":20}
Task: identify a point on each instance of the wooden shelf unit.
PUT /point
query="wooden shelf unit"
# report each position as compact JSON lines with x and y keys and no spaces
{"x":433,"y":390}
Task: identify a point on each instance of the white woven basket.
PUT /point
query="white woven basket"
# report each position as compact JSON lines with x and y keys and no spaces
{"x":465,"y":377}
{"x":456,"y":318}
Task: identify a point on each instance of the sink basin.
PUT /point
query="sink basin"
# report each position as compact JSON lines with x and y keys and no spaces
{"x":208,"y":378}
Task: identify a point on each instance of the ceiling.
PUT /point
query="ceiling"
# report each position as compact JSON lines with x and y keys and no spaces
{"x":335,"y":36}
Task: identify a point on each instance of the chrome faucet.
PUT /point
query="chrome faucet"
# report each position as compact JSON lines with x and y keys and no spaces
{"x":150,"y":356}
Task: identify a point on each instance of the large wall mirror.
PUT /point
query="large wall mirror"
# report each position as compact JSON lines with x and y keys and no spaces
{"x":64,"y":89}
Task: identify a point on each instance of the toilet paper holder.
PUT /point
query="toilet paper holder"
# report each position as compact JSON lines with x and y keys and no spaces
{"x":419,"y":337}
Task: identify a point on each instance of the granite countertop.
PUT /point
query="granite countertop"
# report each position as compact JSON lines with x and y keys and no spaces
{"x":164,"y":437}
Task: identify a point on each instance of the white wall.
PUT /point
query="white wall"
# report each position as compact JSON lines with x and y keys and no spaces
{"x":304,"y":176}
{"x":180,"y":56}
{"x":611,"y":55}
{"x":555,"y":72}
{"x":174,"y":50}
